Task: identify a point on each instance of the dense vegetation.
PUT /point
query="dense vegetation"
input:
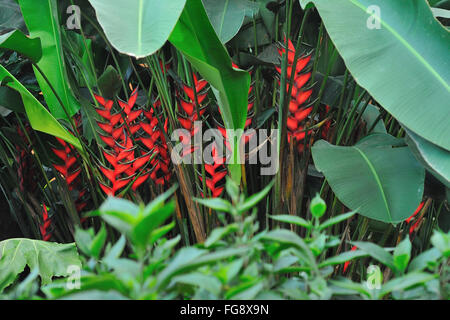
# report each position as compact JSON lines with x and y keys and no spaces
{"x":344,"y":187}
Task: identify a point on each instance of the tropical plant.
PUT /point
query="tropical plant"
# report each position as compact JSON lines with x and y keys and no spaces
{"x":100,"y":99}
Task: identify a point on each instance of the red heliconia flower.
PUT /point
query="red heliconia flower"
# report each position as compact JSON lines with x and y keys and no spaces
{"x":216,"y":173}
{"x":299,"y":110}
{"x":348,"y":262}
{"x":191,"y":108}
{"x":155,"y":142}
{"x":70,"y":169}
{"x":45,"y":227}
{"x":121,"y":160}
{"x":417,"y":223}
{"x":137,"y":147}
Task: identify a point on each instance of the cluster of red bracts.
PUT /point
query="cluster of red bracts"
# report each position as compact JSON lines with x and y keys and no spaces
{"x":70,"y":172}
{"x":415,"y":226}
{"x":137,"y":149}
{"x":192,"y":108}
{"x":70,"y":168}
{"x":299,"y":110}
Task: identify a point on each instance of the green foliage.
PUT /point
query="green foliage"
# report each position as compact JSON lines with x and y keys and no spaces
{"x":40,"y":118}
{"x":377,"y":177}
{"x":228,"y":16}
{"x":382,"y":121}
{"x":17,"y":41}
{"x":43,"y":23}
{"x":127,"y":24}
{"x":396,"y":77}
{"x":235,"y":262}
{"x":49,"y":259}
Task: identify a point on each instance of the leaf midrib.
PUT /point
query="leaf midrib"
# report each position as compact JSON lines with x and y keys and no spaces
{"x":406,"y":44}
{"x":377,"y":180}
{"x":225,"y":8}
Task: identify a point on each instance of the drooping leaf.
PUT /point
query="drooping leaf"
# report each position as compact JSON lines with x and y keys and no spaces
{"x":52,"y":259}
{"x":377,"y":177}
{"x":138,"y":27}
{"x":398,"y":52}
{"x":41,"y":18}
{"x":17,"y":41}
{"x":39,"y":117}
{"x":431,"y":156}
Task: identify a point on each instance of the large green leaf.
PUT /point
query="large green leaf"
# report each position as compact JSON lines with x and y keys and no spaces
{"x":39,"y":117}
{"x":432,"y":157}
{"x":227,"y":16}
{"x":404,"y":64}
{"x":41,"y":18}
{"x":17,"y":41}
{"x":138,"y":27}
{"x":196,"y":39}
{"x":378,"y":177}
{"x":52,"y":259}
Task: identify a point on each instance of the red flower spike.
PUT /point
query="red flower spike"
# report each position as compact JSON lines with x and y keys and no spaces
{"x":348,"y":262}
{"x":303,"y":96}
{"x":298,"y":114}
{"x":69,"y":169}
{"x":44,"y":228}
{"x":417,"y":223}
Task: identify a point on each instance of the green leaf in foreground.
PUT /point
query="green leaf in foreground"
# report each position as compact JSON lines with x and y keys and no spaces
{"x":52,"y":259}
